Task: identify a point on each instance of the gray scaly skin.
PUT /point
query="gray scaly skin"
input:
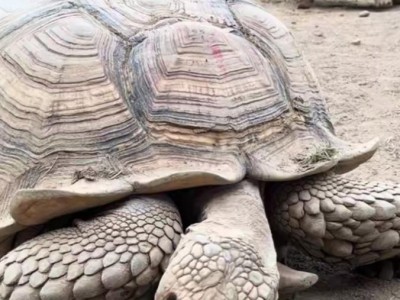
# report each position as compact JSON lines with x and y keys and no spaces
{"x":229,"y":254}
{"x":119,"y":253}
{"x":338,"y":219}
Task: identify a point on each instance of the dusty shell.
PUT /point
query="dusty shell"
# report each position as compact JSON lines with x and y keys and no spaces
{"x":134,"y":113}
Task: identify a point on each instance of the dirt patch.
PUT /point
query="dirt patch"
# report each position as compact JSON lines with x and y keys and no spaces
{"x":357,"y":62}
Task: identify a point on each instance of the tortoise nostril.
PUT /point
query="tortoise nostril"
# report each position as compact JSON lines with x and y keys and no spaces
{"x":171,"y":296}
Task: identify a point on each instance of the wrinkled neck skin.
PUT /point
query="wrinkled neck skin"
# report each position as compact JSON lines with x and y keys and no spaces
{"x":237,"y":211}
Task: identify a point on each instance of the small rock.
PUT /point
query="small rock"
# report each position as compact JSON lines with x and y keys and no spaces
{"x":356,"y":42}
{"x":318,"y":33}
{"x":364,"y":14}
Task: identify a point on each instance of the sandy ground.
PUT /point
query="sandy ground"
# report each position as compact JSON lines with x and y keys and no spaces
{"x":357,"y":62}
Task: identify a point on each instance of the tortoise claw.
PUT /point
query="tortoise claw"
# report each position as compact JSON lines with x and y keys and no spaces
{"x":293,"y":281}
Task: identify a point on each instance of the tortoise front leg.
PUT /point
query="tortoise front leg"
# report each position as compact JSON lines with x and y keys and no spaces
{"x":229,"y":254}
{"x":338,"y":219}
{"x":118,"y":253}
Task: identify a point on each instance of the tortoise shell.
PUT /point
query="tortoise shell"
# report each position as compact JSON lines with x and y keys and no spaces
{"x":101,"y":99}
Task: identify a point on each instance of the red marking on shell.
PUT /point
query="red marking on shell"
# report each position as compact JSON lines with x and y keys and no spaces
{"x":217,"y":53}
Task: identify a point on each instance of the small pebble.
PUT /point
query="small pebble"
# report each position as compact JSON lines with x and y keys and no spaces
{"x":363,"y":14}
{"x":356,"y":42}
{"x":318,"y":33}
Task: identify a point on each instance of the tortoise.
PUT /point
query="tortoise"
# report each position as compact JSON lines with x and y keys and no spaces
{"x":114,"y":113}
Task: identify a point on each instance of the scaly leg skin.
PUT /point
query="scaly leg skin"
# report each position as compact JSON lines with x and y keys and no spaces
{"x":119,"y":253}
{"x":338,"y":219}
{"x":229,"y":254}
